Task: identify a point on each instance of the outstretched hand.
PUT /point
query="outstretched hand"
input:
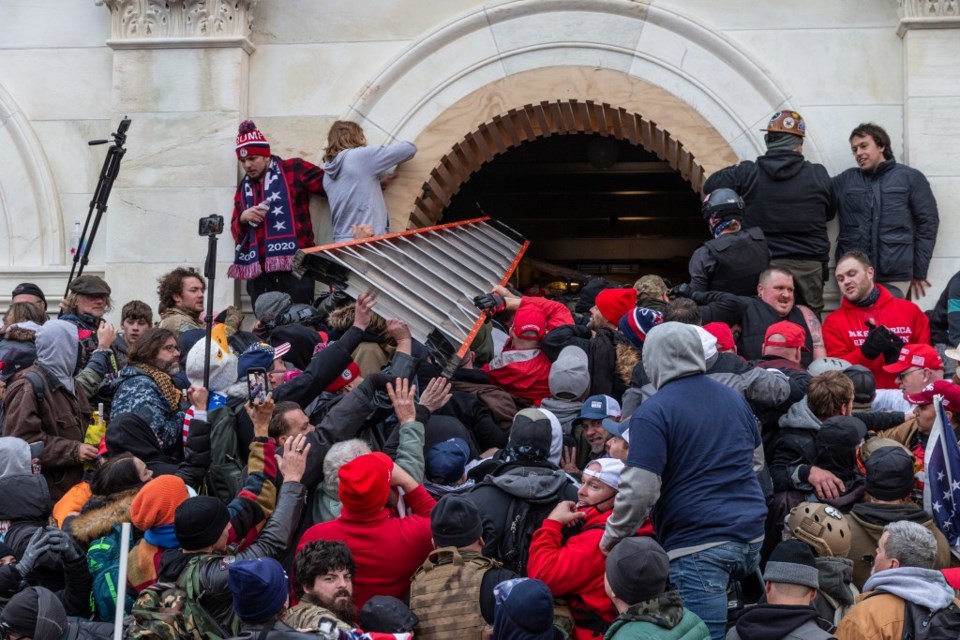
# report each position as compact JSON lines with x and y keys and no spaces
{"x":294,"y":460}
{"x":436,"y":394}
{"x":401,"y":394}
{"x":260,"y":413}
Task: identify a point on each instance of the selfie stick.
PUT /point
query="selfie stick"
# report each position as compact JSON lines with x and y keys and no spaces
{"x":210,"y":272}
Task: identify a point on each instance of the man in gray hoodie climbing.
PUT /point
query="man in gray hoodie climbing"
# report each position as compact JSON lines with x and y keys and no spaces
{"x":701,"y":453}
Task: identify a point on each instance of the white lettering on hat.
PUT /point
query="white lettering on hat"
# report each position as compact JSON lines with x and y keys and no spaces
{"x":596,"y":404}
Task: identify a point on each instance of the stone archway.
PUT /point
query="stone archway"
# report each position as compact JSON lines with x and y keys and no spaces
{"x":30,"y":211}
{"x":534,"y":121}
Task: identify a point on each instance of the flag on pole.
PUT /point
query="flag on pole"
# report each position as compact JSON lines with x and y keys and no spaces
{"x":941,"y":492}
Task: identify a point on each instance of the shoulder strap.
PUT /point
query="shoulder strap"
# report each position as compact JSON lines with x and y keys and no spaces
{"x":38,"y":393}
{"x":266,"y":629}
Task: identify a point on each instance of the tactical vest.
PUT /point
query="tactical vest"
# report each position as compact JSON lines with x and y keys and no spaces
{"x":741,"y":257}
{"x":756,"y":318}
{"x":445,"y":595}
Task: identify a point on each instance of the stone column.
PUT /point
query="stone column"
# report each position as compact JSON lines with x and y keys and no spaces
{"x":931,"y":127}
{"x":180,"y":71}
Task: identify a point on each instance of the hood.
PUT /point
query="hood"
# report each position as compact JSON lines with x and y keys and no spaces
{"x":835,"y":576}
{"x":773,"y":622}
{"x":15,"y":457}
{"x":672,"y":350}
{"x":925,"y":587}
{"x":566,"y":411}
{"x":129,"y":432}
{"x":533,"y":484}
{"x":24,"y":498}
{"x":880,"y":515}
{"x":799,"y":416}
{"x":58,"y":351}
{"x":781,"y":165}
{"x":99,"y":521}
{"x":334,"y":167}
{"x":556,"y":438}
{"x":22,"y":331}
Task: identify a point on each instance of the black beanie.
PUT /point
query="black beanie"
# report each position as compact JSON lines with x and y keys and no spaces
{"x":455,"y":521}
{"x":792,"y":562}
{"x":890,"y":473}
{"x":530,"y":435}
{"x":386,"y":614}
{"x":199,"y":522}
{"x":36,"y":613}
{"x":638,"y":569}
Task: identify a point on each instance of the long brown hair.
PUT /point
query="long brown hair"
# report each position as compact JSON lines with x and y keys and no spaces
{"x":343,"y":134}
{"x":146,"y":348}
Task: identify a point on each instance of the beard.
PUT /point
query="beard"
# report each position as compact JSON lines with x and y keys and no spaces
{"x":344,"y":608}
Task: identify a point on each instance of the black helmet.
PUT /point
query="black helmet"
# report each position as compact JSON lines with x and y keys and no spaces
{"x":722,"y":203}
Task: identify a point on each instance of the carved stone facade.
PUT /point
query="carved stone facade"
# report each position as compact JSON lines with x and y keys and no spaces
{"x":179,"y":18}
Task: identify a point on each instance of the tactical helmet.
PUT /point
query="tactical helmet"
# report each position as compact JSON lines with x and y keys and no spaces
{"x":822,"y":527}
{"x":787,"y":122}
{"x":722,"y":203}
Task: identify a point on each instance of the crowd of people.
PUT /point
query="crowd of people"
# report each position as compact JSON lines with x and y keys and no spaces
{"x":705,"y":460}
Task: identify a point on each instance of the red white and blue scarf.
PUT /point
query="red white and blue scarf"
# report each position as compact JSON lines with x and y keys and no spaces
{"x":279,"y":232}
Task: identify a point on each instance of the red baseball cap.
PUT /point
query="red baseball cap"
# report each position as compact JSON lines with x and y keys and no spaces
{"x":915,"y":355}
{"x":529,"y":319}
{"x":785,"y":334}
{"x":349,"y":375}
{"x":945,"y":388}
{"x":721,"y":331}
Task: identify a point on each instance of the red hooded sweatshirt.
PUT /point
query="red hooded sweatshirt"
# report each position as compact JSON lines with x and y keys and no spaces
{"x":574,"y":571}
{"x":845,"y":329}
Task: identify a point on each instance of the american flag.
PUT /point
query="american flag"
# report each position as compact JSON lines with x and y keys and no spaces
{"x":941,"y":493}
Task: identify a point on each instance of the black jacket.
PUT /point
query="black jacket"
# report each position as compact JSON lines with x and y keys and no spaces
{"x":889,"y":214}
{"x":945,"y":315}
{"x":786,"y":196}
{"x":129,"y":432}
{"x":732,"y":263}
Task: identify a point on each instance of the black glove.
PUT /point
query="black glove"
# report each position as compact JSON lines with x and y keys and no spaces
{"x":492,"y":303}
{"x":683,"y":290}
{"x":881,"y":340}
{"x":63,"y":545}
{"x":35,"y":548}
{"x":379,"y":380}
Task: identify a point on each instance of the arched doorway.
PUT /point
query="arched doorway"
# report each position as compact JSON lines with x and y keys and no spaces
{"x":598,"y":189}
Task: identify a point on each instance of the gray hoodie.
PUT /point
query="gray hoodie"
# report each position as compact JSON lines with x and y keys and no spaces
{"x":925,"y":587}
{"x":799,"y":416}
{"x":58,"y":349}
{"x":352,"y":184}
{"x":675,"y":352}
{"x":14,"y":457}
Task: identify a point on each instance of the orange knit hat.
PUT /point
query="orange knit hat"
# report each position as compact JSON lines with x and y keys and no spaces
{"x":157,"y":502}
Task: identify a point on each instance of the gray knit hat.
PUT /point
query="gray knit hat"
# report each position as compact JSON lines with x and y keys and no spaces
{"x":792,"y":562}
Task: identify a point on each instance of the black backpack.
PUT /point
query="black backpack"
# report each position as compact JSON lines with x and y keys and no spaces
{"x":920,"y":623}
{"x":523,"y":519}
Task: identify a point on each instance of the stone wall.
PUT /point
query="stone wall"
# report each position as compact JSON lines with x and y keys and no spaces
{"x":187,"y":71}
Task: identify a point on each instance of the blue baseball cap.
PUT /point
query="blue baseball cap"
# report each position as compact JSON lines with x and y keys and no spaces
{"x":618,"y":429}
{"x":446,"y":460}
{"x":598,"y":407}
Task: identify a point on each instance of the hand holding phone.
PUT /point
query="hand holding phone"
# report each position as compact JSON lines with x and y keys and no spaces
{"x":257,"y":384}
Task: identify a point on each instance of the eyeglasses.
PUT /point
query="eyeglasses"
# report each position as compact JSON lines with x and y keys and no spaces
{"x":904,"y":374}
{"x":172,"y":348}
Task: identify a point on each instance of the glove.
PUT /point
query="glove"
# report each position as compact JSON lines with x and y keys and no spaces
{"x":35,"y":548}
{"x":491,"y":303}
{"x":683,"y":290}
{"x":63,"y":545}
{"x":881,"y":340}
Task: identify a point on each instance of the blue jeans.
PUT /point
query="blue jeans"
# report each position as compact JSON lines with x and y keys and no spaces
{"x":702,"y":579}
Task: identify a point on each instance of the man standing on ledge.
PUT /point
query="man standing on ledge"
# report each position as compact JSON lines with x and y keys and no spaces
{"x":887,"y":210}
{"x":271,"y":217}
